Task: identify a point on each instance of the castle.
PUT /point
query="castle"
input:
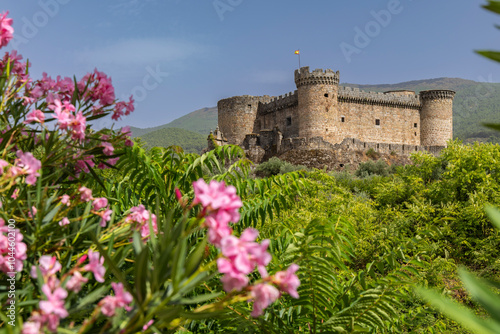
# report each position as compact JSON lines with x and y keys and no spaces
{"x":321,"y":115}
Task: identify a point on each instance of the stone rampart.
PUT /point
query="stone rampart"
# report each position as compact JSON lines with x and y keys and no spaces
{"x":278,"y":103}
{"x":355,"y":95}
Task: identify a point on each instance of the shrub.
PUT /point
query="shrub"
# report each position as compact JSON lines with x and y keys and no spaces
{"x":369,"y":168}
{"x":275,"y":166}
{"x":372,"y":154}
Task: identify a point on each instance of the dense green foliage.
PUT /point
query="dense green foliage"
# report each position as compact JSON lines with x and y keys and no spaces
{"x":275,"y":166}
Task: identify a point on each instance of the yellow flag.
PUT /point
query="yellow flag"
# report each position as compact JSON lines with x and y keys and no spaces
{"x":297,"y":52}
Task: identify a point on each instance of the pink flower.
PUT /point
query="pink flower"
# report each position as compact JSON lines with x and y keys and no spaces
{"x":105,"y":217}
{"x":244,"y":253}
{"x":78,"y":126}
{"x":96,"y":266}
{"x":100,"y":203}
{"x":217,"y":197}
{"x":64,"y":221}
{"x":52,"y":321}
{"x":29,"y":165}
{"x":15,"y":194}
{"x":108,"y":148}
{"x":287,"y":281}
{"x":86,"y":194}
{"x":83,"y":165}
{"x":55,"y":301}
{"x":263,"y":296}
{"x":217,"y":231}
{"x":178,"y":194}
{"x":113,"y":161}
{"x":141,"y":216}
{"x":35,"y":116}
{"x":48,"y":266}
{"x":233,"y":279}
{"x":6,"y":30}
{"x":32,"y":212}
{"x":146,"y":326}
{"x":6,"y":251}
{"x":3,"y":164}
{"x":75,"y":282}
{"x":120,"y":299}
{"x":32,"y":328}
{"x":62,"y":116}
{"x":65,"y":200}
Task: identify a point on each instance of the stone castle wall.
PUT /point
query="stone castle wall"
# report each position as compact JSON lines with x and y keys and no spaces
{"x":437,"y":117}
{"x":237,"y":116}
{"x":320,"y":114}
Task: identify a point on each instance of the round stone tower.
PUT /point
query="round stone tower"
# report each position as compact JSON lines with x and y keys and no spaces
{"x":436,"y":117}
{"x":317,"y":110}
{"x":236,"y":116}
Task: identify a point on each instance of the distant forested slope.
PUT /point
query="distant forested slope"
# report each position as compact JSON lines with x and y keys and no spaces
{"x":191,"y":142}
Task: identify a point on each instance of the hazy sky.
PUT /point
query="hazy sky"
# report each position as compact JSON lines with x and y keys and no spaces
{"x":177,"y":56}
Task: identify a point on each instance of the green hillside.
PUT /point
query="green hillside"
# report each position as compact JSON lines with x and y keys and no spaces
{"x":190,"y":141}
{"x":200,"y":121}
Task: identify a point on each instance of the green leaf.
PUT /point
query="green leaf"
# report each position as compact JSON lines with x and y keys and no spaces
{"x":142,"y":269}
{"x":493,"y":6}
{"x":196,"y":256}
{"x":482,"y":294}
{"x":493,"y":55}
{"x":492,"y":126}
{"x":455,"y":311}
{"x":91,"y":298}
{"x":494,"y":215}
{"x":200,"y":299}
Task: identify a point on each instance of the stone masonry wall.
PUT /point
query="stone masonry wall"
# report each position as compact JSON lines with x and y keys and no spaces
{"x":437,"y":117}
{"x":378,"y":124}
{"x":237,"y":116}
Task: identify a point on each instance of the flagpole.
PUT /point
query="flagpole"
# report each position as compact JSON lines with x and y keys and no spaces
{"x":299,"y":61}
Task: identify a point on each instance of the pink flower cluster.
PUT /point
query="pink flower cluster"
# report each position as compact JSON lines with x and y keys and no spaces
{"x":18,"y":68}
{"x":52,"y":309}
{"x":220,"y":205}
{"x":74,"y":124}
{"x":12,"y":249}
{"x":25,"y":164}
{"x":6,"y":30}
{"x":240,"y":256}
{"x":121,"y":299}
{"x":100,"y":205}
{"x":141,"y":216}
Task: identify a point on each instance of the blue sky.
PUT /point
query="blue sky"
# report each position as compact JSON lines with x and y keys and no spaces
{"x":177,"y":56}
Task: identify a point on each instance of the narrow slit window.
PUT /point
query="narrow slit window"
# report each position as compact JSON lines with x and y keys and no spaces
{"x":415,"y":125}
{"x":288,"y":121}
{"x":342,"y":119}
{"x":377,"y":122}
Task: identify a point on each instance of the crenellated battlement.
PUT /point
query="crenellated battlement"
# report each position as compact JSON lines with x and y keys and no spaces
{"x":437,"y":94}
{"x":355,"y":95}
{"x":304,"y":77}
{"x":280,"y":102}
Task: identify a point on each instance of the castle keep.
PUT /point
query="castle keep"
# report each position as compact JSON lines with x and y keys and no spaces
{"x":320,"y":114}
